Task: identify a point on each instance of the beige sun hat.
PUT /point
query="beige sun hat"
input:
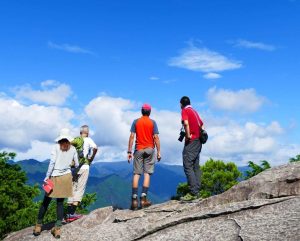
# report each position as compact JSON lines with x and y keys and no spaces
{"x":64,"y":134}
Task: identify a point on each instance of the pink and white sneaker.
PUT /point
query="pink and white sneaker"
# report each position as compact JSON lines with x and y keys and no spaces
{"x":72,"y":217}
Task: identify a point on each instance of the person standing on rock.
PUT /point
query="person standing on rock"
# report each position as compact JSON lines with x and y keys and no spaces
{"x":87,"y":150}
{"x":147,"y":139}
{"x":192,"y":123}
{"x":60,"y":177}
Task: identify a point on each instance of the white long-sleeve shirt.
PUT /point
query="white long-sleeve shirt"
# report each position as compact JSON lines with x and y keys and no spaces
{"x":60,"y":162}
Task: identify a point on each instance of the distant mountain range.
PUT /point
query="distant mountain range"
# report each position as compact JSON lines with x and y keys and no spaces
{"x":112,"y":181}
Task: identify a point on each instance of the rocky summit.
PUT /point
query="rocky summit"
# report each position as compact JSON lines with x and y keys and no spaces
{"x":265,"y":207}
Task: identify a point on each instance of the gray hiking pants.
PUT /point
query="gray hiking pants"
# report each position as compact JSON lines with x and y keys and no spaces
{"x":191,"y":157}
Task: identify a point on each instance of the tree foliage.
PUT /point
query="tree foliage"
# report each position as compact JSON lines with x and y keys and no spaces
{"x":295,"y":159}
{"x":18,"y":209}
{"x":16,"y":198}
{"x":255,"y":168}
{"x":217,"y":177}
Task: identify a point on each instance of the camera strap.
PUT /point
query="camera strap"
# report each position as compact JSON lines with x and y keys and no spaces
{"x":197,"y":117}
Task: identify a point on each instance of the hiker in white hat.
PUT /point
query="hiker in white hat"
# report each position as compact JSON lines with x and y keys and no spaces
{"x":59,"y":172}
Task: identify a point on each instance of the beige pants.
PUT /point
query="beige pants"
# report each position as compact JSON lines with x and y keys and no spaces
{"x":79,"y":186}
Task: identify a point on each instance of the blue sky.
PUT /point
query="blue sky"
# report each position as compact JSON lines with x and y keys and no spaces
{"x":237,"y":60}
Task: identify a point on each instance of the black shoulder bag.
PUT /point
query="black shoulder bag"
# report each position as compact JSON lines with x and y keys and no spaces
{"x":203,"y":134}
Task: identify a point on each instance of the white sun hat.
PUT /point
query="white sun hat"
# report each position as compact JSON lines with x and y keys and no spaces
{"x":64,"y":134}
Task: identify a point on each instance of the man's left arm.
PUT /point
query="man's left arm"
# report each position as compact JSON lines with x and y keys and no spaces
{"x":156,"y":140}
{"x":130,"y":143}
{"x":157,"y":144}
{"x":95,"y":150}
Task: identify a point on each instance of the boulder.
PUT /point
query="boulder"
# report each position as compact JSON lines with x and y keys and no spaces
{"x":265,"y":207}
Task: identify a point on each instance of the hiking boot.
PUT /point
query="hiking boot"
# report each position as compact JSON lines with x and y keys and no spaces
{"x":56,"y":232}
{"x":189,"y":197}
{"x":37,"y":229}
{"x":134,"y":204}
{"x":144,"y":202}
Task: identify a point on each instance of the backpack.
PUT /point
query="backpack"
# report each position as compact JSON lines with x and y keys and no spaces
{"x":78,"y":144}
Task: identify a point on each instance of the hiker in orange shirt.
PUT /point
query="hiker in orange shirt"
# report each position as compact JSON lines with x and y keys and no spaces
{"x":147,"y":139}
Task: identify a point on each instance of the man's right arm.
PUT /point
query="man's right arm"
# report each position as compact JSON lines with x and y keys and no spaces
{"x":185,"y":122}
{"x":187,"y":129}
{"x":130,"y":143}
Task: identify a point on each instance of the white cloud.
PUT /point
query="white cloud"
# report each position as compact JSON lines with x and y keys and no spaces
{"x":212,"y":76}
{"x":243,"y":142}
{"x":30,"y":130}
{"x":38,"y":150}
{"x":51,"y":93}
{"x":203,"y":60}
{"x":154,"y":78}
{"x":244,"y":101}
{"x":69,"y":48}
{"x":237,"y":139}
{"x":112,"y":116}
{"x":228,"y":140}
{"x":112,"y":130}
{"x":20,"y":124}
{"x":50,"y":83}
{"x":242,"y":43}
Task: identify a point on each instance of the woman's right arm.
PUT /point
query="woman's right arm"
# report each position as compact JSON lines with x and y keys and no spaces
{"x":52,"y":163}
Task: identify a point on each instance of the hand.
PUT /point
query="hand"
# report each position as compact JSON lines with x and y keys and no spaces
{"x":188,"y":138}
{"x":129,"y":157}
{"x":158,"y":156}
{"x":45,"y":180}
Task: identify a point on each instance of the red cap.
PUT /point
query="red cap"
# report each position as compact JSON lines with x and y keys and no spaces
{"x":146,"y":107}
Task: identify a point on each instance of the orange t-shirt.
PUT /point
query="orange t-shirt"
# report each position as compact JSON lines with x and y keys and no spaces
{"x":145,"y":128}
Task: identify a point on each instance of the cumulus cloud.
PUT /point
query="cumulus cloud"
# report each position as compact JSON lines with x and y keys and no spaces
{"x":242,"y":43}
{"x":30,"y":130}
{"x":212,"y":76}
{"x":243,"y":101}
{"x":249,"y":141}
{"x":112,"y":118}
{"x":204,"y":60}
{"x":51,"y":93}
{"x":38,"y":150}
{"x":228,"y":140}
{"x":21,"y":124}
{"x":242,"y":138}
{"x":70,"y":48}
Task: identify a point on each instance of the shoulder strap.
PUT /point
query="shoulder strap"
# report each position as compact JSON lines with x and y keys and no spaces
{"x":196,"y":115}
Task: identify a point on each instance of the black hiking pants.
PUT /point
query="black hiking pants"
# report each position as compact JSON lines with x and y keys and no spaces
{"x":191,"y":158}
{"x":59,"y":209}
